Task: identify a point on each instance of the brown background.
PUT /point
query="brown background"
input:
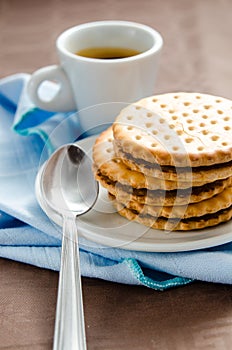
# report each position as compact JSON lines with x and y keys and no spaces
{"x":197,"y":56}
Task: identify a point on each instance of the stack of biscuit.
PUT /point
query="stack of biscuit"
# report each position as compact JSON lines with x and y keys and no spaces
{"x":167,"y":161}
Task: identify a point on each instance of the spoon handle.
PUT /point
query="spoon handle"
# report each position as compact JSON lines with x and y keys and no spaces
{"x":69,"y":325}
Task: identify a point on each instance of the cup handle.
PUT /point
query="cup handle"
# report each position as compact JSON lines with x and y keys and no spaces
{"x":63,"y":101}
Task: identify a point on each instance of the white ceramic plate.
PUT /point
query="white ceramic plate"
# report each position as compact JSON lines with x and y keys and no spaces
{"x":104,"y":226}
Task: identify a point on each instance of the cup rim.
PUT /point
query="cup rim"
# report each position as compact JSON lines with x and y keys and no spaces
{"x":155,"y":48}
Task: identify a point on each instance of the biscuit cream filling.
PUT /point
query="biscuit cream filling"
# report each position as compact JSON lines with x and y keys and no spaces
{"x":205,"y":217}
{"x":172,"y":169}
{"x":171,"y":193}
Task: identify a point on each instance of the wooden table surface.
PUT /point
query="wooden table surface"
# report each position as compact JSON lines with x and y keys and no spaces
{"x":197,"y":56}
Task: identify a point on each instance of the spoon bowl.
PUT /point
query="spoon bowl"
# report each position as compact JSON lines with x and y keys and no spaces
{"x":66,"y":187}
{"x":67,"y":181}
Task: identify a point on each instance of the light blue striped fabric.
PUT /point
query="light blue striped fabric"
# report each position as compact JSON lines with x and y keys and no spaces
{"x":28,"y":236}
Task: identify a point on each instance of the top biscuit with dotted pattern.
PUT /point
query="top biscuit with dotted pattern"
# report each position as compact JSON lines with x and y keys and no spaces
{"x":177,"y":129}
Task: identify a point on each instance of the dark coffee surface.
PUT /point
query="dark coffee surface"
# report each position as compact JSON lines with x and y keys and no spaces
{"x":107,"y":53}
{"x":197,"y":56}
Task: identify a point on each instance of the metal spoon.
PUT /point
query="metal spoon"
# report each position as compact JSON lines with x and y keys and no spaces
{"x":66,"y":186}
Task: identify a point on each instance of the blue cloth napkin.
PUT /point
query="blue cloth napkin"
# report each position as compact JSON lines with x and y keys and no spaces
{"x":27,"y":137}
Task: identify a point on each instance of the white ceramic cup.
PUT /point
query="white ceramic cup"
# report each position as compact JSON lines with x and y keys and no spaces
{"x":106,"y":84}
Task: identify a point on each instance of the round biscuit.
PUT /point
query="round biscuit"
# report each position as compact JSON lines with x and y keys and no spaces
{"x":212,"y":205}
{"x":160,"y":197}
{"x":172,"y":224}
{"x":177,"y":129}
{"x":204,"y":174}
